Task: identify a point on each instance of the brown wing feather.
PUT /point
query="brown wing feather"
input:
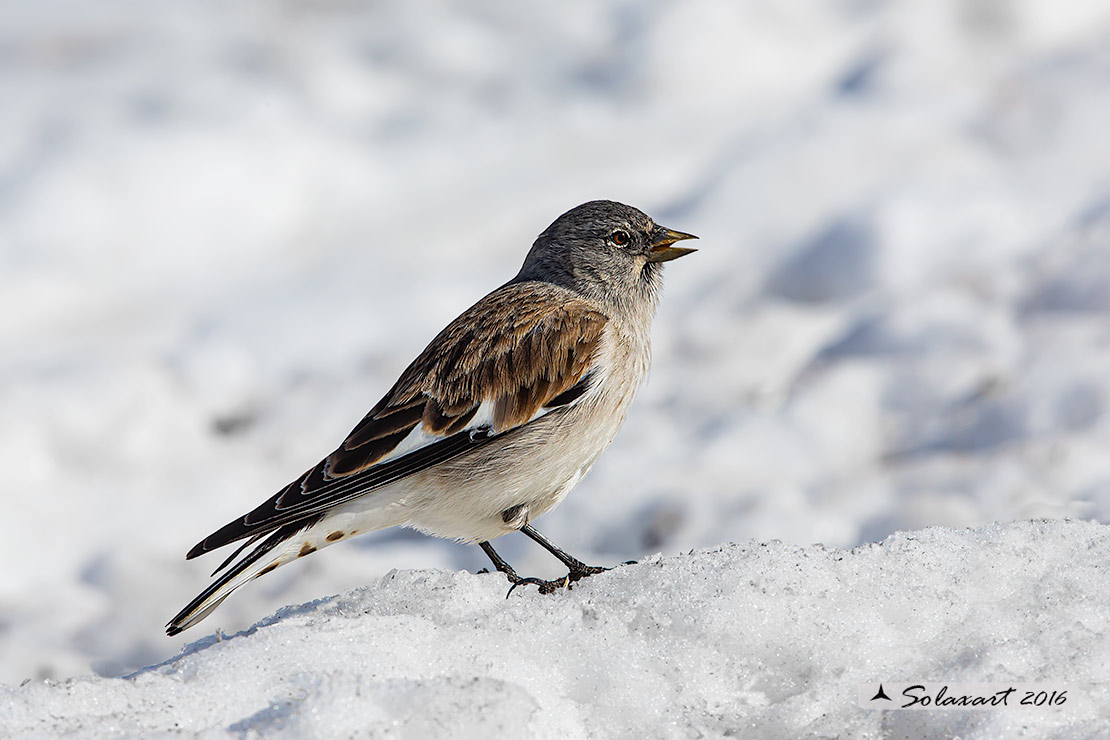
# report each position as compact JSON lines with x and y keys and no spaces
{"x":519,"y":347}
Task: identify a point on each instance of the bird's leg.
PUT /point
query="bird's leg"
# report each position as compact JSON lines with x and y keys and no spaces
{"x":578,"y":569}
{"x":514,"y":517}
{"x":499,"y":562}
{"x":503,"y":567}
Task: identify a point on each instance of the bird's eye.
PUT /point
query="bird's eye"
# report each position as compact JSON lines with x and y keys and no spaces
{"x":620,"y":238}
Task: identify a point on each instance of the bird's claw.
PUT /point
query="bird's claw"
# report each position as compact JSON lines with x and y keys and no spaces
{"x":550,"y":587}
{"x":545,"y":587}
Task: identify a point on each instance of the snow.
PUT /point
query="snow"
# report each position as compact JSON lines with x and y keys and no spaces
{"x":225,"y":229}
{"x":765,"y":639}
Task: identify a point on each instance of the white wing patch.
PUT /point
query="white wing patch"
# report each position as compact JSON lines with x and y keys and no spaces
{"x":483,"y":419}
{"x":418,"y":438}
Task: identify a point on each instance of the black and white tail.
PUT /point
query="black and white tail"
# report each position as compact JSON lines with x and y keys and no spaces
{"x":252,"y":566}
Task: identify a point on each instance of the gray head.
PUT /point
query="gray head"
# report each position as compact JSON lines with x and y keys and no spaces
{"x":606,"y":251}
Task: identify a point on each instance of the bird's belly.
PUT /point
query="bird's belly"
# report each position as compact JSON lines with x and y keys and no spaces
{"x":464,"y":498}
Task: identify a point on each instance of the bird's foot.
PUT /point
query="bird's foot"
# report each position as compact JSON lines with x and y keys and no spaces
{"x":586,"y":570}
{"x":550,"y":587}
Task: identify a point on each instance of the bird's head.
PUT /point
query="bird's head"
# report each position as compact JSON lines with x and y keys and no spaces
{"x":604,"y":250}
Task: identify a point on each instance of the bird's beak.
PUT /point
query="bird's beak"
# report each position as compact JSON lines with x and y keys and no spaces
{"x":661,"y":240}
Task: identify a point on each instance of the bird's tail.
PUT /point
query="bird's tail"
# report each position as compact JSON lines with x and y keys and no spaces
{"x":252,"y":566}
{"x":284,"y":545}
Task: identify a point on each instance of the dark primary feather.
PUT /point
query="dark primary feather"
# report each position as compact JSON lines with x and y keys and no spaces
{"x":315,"y":492}
{"x":276,"y":538}
{"x":523,"y":347}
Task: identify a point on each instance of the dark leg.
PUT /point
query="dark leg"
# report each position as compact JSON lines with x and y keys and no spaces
{"x":499,"y":562}
{"x":578,"y":569}
{"x":503,"y":567}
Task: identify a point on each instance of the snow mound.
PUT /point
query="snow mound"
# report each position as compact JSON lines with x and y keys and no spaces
{"x":759,"y":640}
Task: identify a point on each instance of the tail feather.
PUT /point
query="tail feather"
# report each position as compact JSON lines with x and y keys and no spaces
{"x":284,"y":544}
{"x":246,"y":543}
{"x":246,"y":570}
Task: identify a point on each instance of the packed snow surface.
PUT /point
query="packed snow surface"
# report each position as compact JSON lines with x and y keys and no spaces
{"x":766,"y":640}
{"x":225,"y":228}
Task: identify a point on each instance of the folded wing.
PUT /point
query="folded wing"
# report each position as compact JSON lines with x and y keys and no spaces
{"x":522,"y":350}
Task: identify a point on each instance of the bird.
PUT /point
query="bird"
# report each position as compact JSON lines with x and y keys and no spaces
{"x":494,"y":423}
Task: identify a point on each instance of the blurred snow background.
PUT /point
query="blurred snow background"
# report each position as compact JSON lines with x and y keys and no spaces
{"x":225,"y":228}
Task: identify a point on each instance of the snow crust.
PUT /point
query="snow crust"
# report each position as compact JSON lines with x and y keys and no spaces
{"x":762,"y":639}
{"x":225,"y":228}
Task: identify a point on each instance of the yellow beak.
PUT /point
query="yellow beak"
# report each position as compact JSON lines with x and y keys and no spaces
{"x":661,"y":240}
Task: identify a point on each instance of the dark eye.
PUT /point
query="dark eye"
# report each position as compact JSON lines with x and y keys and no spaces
{"x":620,"y":238}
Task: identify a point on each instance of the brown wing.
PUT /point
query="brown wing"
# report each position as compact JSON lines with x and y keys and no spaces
{"x":522,"y":348}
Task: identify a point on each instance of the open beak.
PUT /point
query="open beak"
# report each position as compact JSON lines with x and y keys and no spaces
{"x":661,"y":240}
